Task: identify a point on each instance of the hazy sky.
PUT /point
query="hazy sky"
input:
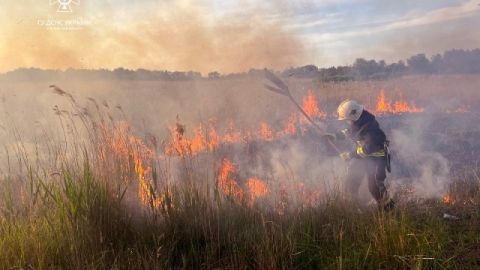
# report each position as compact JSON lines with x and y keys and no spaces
{"x":227,"y":35}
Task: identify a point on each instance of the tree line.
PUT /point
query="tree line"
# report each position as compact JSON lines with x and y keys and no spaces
{"x":450,"y":62}
{"x":455,"y":61}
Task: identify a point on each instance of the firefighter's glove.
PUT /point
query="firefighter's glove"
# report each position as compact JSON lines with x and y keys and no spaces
{"x":345,"y":156}
{"x":329,"y":136}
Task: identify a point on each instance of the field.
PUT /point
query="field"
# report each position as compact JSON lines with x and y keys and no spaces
{"x":216,"y":174}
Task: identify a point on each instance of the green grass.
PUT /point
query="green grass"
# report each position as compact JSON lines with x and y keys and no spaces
{"x":74,"y":222}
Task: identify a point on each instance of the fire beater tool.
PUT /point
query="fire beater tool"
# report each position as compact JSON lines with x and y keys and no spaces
{"x":282,"y":89}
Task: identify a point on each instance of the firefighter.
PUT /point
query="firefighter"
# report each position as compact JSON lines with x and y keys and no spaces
{"x":371,"y":157}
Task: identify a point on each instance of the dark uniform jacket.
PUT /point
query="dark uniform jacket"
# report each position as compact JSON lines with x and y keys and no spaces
{"x":367,"y":134}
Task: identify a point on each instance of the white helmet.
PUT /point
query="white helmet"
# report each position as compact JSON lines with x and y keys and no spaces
{"x":349,"y":110}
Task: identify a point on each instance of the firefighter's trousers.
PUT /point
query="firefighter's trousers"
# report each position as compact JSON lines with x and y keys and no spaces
{"x":372,"y":167}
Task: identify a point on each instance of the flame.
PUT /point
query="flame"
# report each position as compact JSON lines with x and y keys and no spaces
{"x":447,"y":199}
{"x":227,"y":183}
{"x":207,"y":138}
{"x":203,"y":141}
{"x":257,"y":188}
{"x":182,"y":146}
{"x":450,"y":200}
{"x":145,"y":190}
{"x":142,"y":154}
{"x":383,"y":105}
{"x":198,"y":143}
{"x":399,"y":106}
{"x":213,"y":138}
{"x":129,"y":154}
{"x":232,"y":135}
{"x":291,"y":126}
{"x":265,"y":132}
{"x":310,"y":106}
{"x":179,"y":145}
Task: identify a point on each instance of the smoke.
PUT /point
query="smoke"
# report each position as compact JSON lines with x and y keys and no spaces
{"x":176,"y":36}
{"x":180,"y":36}
{"x":416,"y":158}
{"x":311,"y":166}
{"x":418,"y":140}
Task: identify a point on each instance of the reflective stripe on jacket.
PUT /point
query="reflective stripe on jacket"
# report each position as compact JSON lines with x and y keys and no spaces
{"x":360,"y":152}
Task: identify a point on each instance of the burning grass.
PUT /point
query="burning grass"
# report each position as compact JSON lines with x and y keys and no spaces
{"x":398,"y":106}
{"x":123,"y":201}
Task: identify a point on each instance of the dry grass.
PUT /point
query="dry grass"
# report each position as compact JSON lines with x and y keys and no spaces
{"x":75,"y":205}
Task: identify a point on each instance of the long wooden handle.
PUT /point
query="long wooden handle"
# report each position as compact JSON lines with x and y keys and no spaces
{"x":314,"y":124}
{"x":282,"y":89}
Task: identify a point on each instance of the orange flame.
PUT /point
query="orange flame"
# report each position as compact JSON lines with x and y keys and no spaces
{"x":213,"y":138}
{"x":183,"y":146}
{"x":145,"y":190}
{"x":399,"y":106}
{"x":257,"y":188}
{"x":383,"y":105}
{"x":447,"y":199}
{"x":265,"y":132}
{"x":179,"y":145}
{"x":232,"y":135}
{"x":227,"y":183}
{"x":291,"y":126}
{"x":310,"y":106}
{"x":198,"y":142}
{"x":130,"y":154}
